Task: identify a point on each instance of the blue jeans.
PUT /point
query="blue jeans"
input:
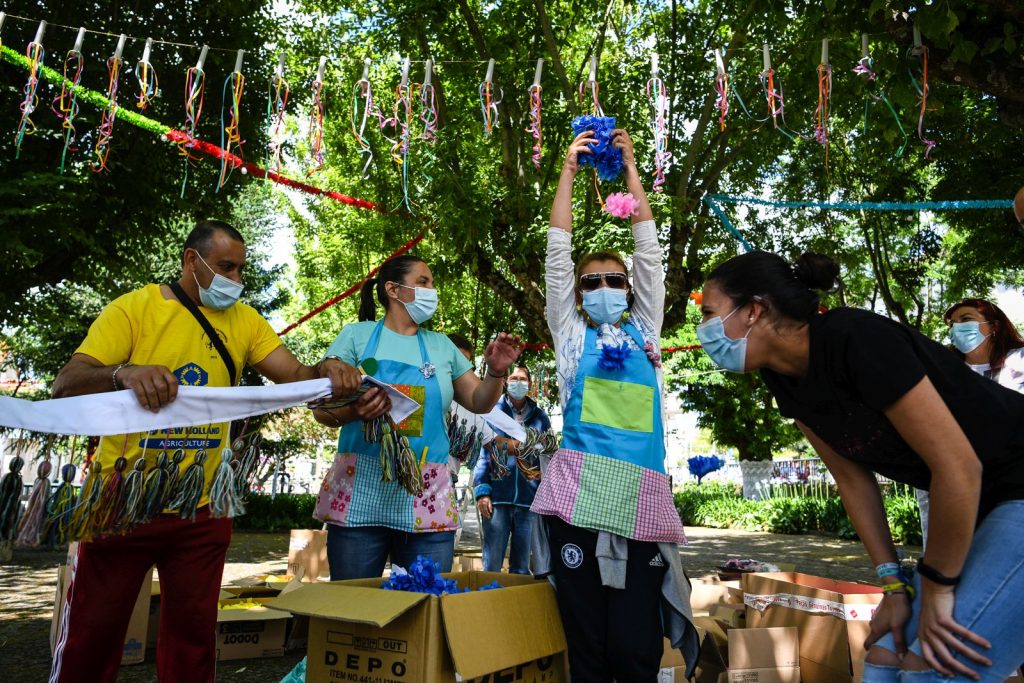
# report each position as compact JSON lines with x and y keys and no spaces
{"x":507,"y":520}
{"x":989,"y":600}
{"x":361,"y":552}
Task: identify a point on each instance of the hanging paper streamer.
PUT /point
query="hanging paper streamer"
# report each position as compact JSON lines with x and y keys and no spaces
{"x":195,"y":87}
{"x":35,"y":54}
{"x":774,"y":96}
{"x":658,"y":95}
{"x":865,"y":68}
{"x":65,"y":105}
{"x":722,"y":89}
{"x":316,"y":121}
{"x":488,"y":105}
{"x":401,"y":121}
{"x":428,"y":116}
{"x":231,"y":136}
{"x":824,"y":99}
{"x":149,"y":88}
{"x":365,"y":92}
{"x":591,"y":85}
{"x":923,"y":91}
{"x":535,"y":115}
{"x":277,"y":100}
{"x":106,"y":129}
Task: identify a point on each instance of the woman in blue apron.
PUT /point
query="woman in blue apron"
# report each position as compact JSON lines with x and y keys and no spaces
{"x":372,"y":514}
{"x":608,"y":517}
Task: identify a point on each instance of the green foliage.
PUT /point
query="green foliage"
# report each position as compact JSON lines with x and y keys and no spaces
{"x":286,"y":511}
{"x":723,"y":507}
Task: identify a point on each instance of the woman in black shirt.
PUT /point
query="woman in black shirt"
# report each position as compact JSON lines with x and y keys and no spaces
{"x":874,"y":396}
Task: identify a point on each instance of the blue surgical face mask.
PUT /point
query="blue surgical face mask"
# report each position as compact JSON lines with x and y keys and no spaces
{"x":222,"y":292}
{"x":967,"y":336}
{"x":727,"y":353}
{"x":518,"y":389}
{"x":423,"y":306}
{"x":605,"y":304}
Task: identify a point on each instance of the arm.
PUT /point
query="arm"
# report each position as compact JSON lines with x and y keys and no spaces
{"x":648,"y":274}
{"x":482,"y":484}
{"x":154,"y":385}
{"x":479,"y":396}
{"x":281,"y":366}
{"x":560,"y":290}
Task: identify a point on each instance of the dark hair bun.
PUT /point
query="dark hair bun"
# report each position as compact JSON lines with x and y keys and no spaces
{"x":816,"y":271}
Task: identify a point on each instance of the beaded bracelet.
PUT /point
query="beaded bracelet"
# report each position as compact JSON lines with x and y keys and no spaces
{"x":113,"y":376}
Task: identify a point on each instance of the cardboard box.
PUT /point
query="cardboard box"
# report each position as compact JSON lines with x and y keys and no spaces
{"x":359,"y":632}
{"x":307,"y":552}
{"x":473,"y":563}
{"x":255,"y":632}
{"x":730,"y":615}
{"x":833,"y":619}
{"x":764,"y":655}
{"x":711,"y":658}
{"x":135,"y":638}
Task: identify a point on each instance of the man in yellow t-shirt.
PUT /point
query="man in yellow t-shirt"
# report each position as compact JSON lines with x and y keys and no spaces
{"x":149,"y":342}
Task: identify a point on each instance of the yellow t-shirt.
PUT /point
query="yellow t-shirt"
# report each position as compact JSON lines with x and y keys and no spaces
{"x":144,"y":328}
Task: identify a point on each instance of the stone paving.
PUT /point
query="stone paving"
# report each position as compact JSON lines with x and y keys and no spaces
{"x":27,"y":587}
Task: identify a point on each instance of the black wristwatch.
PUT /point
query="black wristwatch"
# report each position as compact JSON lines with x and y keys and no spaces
{"x":934,"y":575}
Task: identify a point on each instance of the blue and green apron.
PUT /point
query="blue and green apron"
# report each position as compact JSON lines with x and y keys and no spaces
{"x":609,"y":474}
{"x":353,"y":493}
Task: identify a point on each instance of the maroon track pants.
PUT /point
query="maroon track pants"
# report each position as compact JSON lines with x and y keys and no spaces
{"x":106,"y":576}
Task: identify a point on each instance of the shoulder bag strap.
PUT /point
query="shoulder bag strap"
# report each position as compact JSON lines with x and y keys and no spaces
{"x":187,"y":302}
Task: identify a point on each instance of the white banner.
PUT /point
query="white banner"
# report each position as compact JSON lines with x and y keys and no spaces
{"x":862,"y":612}
{"x":119,"y":412}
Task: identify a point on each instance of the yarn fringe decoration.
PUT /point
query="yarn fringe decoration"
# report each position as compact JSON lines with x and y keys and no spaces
{"x":33,"y":522}
{"x":133,"y":510}
{"x":621,"y":205}
{"x":10,"y":499}
{"x":65,"y":105}
{"x":246,"y":464}
{"x":657,"y":93}
{"x":105,"y":133}
{"x":60,"y":507}
{"x":195,"y":88}
{"x":464,"y":441}
{"x":82,"y":527}
{"x":613,"y":357}
{"x":155,"y":489}
{"x":225,"y":500}
{"x":111,"y":502}
{"x":424,"y":576}
{"x":534,"y":128}
{"x":606,"y":158}
{"x":499,"y":451}
{"x":35,"y":54}
{"x":397,"y":461}
{"x":231,"y":137}
{"x":190,"y":488}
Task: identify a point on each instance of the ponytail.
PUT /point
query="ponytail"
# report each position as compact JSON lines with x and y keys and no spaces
{"x":367,"y":308}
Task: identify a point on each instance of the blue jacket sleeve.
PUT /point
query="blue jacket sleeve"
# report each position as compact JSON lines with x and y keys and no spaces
{"x":482,"y":475}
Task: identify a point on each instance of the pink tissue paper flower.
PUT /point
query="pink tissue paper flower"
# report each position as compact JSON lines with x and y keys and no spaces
{"x":621,"y":205}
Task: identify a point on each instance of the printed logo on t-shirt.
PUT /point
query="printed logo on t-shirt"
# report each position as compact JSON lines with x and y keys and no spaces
{"x":572,"y":556}
{"x":656,"y":561}
{"x":192,"y":375}
{"x":209,"y":342}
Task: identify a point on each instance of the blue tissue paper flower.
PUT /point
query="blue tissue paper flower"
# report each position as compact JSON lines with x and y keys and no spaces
{"x":703,"y":465}
{"x":424,"y":576}
{"x":607,"y":158}
{"x":613,"y":357}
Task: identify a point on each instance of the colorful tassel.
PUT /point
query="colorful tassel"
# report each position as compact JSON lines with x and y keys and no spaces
{"x":82,"y":527}
{"x":246,"y":470}
{"x":134,"y":509}
{"x":155,"y":489}
{"x":60,"y":507}
{"x":111,"y":498}
{"x":190,"y":488}
{"x":10,"y":499}
{"x":224,"y":498}
{"x":33,"y":522}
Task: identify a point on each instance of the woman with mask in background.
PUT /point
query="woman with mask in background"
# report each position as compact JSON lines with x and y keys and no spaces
{"x":874,"y":396}
{"x":608,"y":530}
{"x":503,"y":491}
{"x":374,"y":514}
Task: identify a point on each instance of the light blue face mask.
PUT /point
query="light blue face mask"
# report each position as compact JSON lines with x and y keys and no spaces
{"x":518,"y":389}
{"x":605,"y":304}
{"x":967,"y":336}
{"x":222,"y":292}
{"x":423,"y":306}
{"x":727,"y":353}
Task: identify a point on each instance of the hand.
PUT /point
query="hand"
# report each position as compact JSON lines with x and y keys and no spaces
{"x":154,"y":385}
{"x":483,"y":505}
{"x":621,"y":139}
{"x":372,"y":404}
{"x":345,"y":379}
{"x":580,"y":145}
{"x":941,"y":636}
{"x":501,"y":353}
{"x":507,"y":445}
{"x":892,"y":616}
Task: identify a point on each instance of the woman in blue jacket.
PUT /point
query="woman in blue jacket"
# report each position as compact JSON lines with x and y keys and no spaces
{"x":504,"y":495}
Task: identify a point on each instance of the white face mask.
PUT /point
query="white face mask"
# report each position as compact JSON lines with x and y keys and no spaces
{"x":518,"y":389}
{"x":222,"y":292}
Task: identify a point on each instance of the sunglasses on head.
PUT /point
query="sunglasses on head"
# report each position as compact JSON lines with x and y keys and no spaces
{"x":592,"y":281}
